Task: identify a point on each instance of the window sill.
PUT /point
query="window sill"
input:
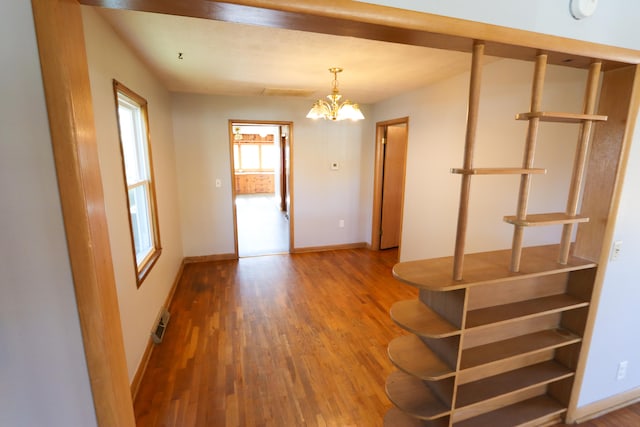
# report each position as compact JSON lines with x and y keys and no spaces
{"x":144,"y":270}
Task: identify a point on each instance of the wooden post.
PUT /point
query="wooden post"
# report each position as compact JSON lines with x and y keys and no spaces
{"x":469,"y":146}
{"x":580,"y":159}
{"x":527,"y":162}
{"x":71,"y":122}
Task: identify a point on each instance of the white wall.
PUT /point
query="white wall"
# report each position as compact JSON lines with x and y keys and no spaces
{"x":437,"y":122}
{"x":109,"y":58}
{"x":321,"y":196}
{"x":614,"y":22}
{"x":43,"y":374}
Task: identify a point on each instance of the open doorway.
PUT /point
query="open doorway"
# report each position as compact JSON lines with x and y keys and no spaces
{"x":389,"y":177}
{"x":261,"y":169}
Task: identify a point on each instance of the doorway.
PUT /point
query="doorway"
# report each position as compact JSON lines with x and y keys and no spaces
{"x":261,"y":182}
{"x":389,"y":178}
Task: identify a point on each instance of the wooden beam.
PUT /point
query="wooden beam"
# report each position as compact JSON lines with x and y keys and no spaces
{"x":363,"y":20}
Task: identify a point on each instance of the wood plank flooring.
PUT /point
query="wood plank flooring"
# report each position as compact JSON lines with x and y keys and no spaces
{"x":284,"y":340}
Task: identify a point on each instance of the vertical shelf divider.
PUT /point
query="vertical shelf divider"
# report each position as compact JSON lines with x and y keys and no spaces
{"x":469,"y":148}
{"x":580,"y":161}
{"x":527,"y":161}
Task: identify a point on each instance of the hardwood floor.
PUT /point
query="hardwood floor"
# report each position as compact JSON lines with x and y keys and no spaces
{"x":284,"y":340}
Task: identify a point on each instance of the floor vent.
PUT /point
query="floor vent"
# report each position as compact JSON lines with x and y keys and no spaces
{"x":161,"y":326}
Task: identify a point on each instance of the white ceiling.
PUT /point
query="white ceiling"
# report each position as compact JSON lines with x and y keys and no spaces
{"x":235,"y":59}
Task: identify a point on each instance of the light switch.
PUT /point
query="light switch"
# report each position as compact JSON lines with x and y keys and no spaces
{"x":218,"y":183}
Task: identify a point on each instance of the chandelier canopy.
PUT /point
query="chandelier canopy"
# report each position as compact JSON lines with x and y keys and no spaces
{"x":334,"y":109}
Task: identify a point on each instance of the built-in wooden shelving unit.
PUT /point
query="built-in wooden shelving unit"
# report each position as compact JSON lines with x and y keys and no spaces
{"x":494,"y":338}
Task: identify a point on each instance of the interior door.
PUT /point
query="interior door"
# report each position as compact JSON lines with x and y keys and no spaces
{"x":395,"y":153}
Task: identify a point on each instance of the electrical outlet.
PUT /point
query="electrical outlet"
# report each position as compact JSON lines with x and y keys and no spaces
{"x":615,"y":251}
{"x":622,"y":370}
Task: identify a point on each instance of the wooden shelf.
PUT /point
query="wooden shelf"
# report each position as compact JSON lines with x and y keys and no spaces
{"x":546,"y":219}
{"x":417,"y":318}
{"x":412,"y":356}
{"x":520,"y":379}
{"x":484,"y":268}
{"x":514,"y":347}
{"x":547,"y":116}
{"x":539,"y":410}
{"x":412,"y":396}
{"x":499,"y":171}
{"x":491,"y":316}
{"x":396,"y":418}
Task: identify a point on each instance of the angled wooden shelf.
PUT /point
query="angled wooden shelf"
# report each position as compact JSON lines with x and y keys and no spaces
{"x":499,"y":171}
{"x":413,"y":397}
{"x":546,"y":219}
{"x":491,"y":316}
{"x":548,"y":116}
{"x":540,"y":410}
{"x":516,"y":347}
{"x":418,"y":318}
{"x":484,"y":390}
{"x":414,"y":357}
{"x":396,"y":418}
{"x":484,"y":268}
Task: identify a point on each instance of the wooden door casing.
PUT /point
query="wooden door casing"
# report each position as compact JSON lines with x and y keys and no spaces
{"x":395,"y":154}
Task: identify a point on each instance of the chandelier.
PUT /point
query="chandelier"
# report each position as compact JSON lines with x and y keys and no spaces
{"x":334,"y":109}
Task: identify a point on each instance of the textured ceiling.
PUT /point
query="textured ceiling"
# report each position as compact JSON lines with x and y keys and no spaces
{"x":235,"y":59}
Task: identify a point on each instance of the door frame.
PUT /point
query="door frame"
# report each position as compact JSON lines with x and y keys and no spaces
{"x":378,"y":172}
{"x":289,"y":182}
{"x":60,"y":38}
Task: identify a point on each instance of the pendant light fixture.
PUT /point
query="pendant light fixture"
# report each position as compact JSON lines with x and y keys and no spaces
{"x":334,"y":109}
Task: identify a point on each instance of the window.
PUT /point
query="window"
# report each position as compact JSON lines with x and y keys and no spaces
{"x":133,"y":126}
{"x":253,"y":153}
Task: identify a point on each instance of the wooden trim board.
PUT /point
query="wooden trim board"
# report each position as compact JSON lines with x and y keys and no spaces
{"x":210,"y":258}
{"x":376,"y":218}
{"x":330,"y":248}
{"x":234,"y":190}
{"x":65,"y":75}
